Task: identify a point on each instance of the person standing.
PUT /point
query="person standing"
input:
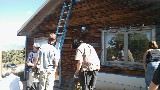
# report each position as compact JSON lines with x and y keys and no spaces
{"x":31,"y":60}
{"x":49,"y":58}
{"x":88,"y":65}
{"x":155,"y":80}
{"x":120,"y":54}
{"x":151,"y":60}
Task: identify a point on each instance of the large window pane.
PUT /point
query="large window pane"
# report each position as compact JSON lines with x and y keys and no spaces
{"x":113,"y":42}
{"x":138,"y":44}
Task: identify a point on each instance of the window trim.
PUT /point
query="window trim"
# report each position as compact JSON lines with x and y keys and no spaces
{"x":151,"y":29}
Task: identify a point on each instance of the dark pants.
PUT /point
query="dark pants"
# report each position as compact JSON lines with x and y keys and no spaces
{"x":88,"y":79}
{"x":30,"y":84}
{"x":29,"y":79}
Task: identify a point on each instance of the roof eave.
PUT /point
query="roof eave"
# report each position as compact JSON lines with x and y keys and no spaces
{"x":45,"y":9}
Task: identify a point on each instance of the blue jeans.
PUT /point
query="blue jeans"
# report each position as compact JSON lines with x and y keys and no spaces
{"x":151,"y":67}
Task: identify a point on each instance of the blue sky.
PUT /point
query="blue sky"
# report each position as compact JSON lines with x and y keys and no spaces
{"x":13,"y":14}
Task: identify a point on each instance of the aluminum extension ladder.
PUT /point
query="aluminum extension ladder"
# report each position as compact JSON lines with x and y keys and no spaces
{"x":62,"y":30}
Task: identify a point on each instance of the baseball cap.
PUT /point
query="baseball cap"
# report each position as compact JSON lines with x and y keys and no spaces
{"x":36,"y":45}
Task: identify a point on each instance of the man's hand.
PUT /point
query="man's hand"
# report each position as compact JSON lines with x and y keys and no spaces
{"x":30,"y":64}
{"x":34,"y":66}
{"x":77,"y":71}
{"x":79,"y":64}
{"x":55,"y":63}
{"x":76,"y":75}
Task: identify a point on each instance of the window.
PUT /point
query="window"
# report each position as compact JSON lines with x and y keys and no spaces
{"x":125,"y":48}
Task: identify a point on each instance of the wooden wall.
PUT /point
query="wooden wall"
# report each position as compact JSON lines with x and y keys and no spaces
{"x":29,"y":45}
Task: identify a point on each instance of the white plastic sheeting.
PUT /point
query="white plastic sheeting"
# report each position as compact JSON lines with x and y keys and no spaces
{"x":11,"y":82}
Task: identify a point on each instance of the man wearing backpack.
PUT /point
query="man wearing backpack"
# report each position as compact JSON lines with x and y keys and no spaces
{"x":151,"y":60}
{"x":155,"y":80}
{"x":88,"y":65}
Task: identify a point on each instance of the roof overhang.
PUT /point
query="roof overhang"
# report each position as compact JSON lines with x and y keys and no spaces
{"x":49,"y":6}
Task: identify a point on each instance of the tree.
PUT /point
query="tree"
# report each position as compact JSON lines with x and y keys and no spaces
{"x":13,"y":56}
{"x":138,"y":44}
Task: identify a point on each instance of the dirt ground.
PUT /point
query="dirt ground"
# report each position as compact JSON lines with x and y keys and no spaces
{"x":56,"y":87}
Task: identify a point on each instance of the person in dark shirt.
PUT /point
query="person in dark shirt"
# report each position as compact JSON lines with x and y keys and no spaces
{"x":31,"y":61}
{"x":155,"y":80}
{"x":151,"y":60}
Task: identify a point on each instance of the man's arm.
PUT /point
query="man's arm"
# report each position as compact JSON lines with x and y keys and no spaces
{"x":57,"y":57}
{"x":41,"y":60}
{"x":30,"y":64}
{"x":153,"y":86}
{"x":29,"y":59}
{"x":37,"y":60}
{"x":79,"y":59}
{"x":55,"y":62}
{"x":79,"y":64}
{"x":144,"y":60}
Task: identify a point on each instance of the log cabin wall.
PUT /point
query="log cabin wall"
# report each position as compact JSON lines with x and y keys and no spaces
{"x":97,"y":15}
{"x":29,"y":45}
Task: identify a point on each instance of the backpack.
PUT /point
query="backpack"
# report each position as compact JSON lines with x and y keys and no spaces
{"x":153,"y":55}
{"x":91,"y":61}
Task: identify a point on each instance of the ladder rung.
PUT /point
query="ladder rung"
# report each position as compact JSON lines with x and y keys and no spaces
{"x":60,"y":26}
{"x":67,"y":6}
{"x":59,"y":33}
{"x":62,"y":19}
{"x":66,"y":12}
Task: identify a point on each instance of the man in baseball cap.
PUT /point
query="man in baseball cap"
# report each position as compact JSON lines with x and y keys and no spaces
{"x":31,"y":68}
{"x":37,"y":45}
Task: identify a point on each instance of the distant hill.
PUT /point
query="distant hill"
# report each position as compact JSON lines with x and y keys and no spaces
{"x":12,"y":47}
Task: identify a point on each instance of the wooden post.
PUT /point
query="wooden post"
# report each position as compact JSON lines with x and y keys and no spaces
{"x":0,"y":64}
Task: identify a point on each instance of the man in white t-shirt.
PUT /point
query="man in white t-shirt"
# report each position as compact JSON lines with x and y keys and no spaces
{"x":88,"y":65}
{"x":49,"y":58}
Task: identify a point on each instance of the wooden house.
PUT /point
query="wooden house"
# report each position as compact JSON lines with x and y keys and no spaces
{"x":107,"y":23}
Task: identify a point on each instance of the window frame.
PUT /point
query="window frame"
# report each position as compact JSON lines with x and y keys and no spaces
{"x":126,"y":31}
